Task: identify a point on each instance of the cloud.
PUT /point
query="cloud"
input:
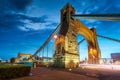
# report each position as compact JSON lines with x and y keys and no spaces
{"x":90,"y":6}
{"x":22,"y":17}
{"x":5,"y":7}
{"x":38,"y":26}
{"x":92,"y":23}
{"x":20,"y":4}
{"x":13,"y":6}
{"x":14,"y":21}
{"x":23,"y":28}
{"x":12,"y":15}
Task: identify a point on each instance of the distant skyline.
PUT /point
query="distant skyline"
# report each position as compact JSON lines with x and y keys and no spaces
{"x":26,"y":24}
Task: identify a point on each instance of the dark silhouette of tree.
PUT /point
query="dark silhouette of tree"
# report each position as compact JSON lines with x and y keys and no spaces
{"x":12,"y":60}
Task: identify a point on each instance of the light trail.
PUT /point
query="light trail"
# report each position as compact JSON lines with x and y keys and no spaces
{"x":101,"y":66}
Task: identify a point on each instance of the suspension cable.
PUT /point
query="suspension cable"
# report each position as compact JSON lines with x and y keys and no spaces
{"x":81,"y":41}
{"x":43,"y":52}
{"x":46,"y":42}
{"x":116,"y":40}
{"x":47,"y":52}
{"x":109,"y":17}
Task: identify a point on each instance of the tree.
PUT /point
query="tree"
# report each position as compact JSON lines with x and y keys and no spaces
{"x":12,"y":60}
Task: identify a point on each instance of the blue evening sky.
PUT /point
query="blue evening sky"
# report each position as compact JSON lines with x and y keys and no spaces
{"x":26,"y":24}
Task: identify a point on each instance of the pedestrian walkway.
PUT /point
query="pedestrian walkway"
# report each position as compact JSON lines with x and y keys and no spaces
{"x":41,"y":73}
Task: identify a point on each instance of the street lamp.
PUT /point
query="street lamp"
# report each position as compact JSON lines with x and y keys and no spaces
{"x":91,"y":49}
{"x":55,"y":36}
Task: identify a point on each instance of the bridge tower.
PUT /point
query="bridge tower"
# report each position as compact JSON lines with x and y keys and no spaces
{"x":66,"y":53}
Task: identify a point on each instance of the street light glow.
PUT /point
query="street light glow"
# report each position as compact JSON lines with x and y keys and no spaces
{"x":91,"y":49}
{"x":55,"y":36}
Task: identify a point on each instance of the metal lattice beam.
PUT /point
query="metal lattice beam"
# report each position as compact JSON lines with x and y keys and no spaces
{"x":109,"y":17}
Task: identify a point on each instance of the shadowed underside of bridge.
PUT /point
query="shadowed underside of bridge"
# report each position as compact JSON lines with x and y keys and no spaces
{"x":66,"y":53}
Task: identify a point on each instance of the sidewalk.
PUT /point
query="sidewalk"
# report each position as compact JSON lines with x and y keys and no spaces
{"x":52,"y":74}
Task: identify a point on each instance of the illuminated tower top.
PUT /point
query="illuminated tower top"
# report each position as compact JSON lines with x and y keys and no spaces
{"x":66,"y":13}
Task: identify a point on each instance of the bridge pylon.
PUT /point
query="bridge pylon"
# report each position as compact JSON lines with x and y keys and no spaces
{"x":67,"y":52}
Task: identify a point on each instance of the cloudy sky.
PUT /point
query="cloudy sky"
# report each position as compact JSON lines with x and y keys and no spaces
{"x":26,"y":24}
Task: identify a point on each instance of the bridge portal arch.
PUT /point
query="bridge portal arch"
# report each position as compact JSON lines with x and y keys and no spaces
{"x":20,"y":55}
{"x":66,"y":52}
